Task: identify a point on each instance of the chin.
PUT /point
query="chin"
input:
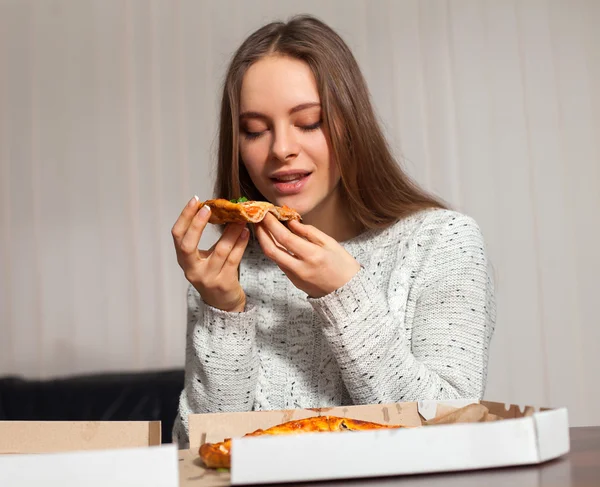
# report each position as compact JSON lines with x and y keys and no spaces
{"x":302,"y":207}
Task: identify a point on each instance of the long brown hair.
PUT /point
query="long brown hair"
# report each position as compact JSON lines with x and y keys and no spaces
{"x":375,"y":189}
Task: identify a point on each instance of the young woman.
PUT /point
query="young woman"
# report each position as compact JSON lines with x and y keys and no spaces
{"x":379,"y":295}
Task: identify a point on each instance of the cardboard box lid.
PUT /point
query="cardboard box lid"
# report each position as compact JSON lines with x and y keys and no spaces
{"x":154,"y":466}
{"x":60,"y":436}
{"x":531,"y":436}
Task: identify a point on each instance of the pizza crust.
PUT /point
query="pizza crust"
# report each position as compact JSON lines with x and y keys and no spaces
{"x":224,"y":211}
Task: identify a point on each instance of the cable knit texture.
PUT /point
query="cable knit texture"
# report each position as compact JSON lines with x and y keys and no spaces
{"x":414,"y":323}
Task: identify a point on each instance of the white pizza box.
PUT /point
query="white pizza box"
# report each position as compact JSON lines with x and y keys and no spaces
{"x":522,"y":436}
{"x":154,"y":466}
{"x":62,"y":436}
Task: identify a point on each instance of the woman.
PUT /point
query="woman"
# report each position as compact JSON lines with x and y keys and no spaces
{"x":380,"y":295}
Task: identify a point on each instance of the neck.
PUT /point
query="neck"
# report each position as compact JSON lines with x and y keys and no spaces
{"x":332,"y":218}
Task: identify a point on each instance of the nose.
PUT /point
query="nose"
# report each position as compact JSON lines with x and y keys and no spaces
{"x":285,"y":145}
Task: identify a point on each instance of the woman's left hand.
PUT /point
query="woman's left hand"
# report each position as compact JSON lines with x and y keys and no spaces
{"x":315,"y":263}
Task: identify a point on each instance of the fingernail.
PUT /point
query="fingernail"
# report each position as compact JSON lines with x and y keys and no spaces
{"x":193,"y":201}
{"x":205,"y":210}
{"x":245,"y":232}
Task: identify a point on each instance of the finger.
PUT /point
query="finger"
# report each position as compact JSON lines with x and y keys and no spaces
{"x":308,"y":232}
{"x":237,"y":252}
{"x":205,"y":254}
{"x":184,"y":220}
{"x":295,"y":244}
{"x":223,"y":247}
{"x":274,"y":252}
{"x":191,"y":239}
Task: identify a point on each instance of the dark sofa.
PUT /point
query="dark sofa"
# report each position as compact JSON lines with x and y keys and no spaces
{"x":142,"y":396}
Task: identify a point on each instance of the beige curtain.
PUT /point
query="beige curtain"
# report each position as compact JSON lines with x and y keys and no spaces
{"x":108,"y":114}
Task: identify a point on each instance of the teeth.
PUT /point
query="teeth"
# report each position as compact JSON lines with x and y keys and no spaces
{"x":290,"y":177}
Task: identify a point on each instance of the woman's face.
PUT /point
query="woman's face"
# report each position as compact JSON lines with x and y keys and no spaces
{"x":282,"y":143}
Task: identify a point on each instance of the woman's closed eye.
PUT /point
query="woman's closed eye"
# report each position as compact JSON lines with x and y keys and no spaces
{"x":253,"y":129}
{"x":252,"y":135}
{"x":311,"y":127}
{"x":255,"y":134}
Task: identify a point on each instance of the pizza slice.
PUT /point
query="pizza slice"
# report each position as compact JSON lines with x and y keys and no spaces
{"x":218,"y":455}
{"x":244,"y":211}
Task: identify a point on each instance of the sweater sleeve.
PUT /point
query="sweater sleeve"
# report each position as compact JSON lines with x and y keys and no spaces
{"x":221,"y":367}
{"x":443,"y":353}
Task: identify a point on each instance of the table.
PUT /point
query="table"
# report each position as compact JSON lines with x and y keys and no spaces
{"x":579,"y":468}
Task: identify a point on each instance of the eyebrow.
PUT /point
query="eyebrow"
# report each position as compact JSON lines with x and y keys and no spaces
{"x":297,"y":108}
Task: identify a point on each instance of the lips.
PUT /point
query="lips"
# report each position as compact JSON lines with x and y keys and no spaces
{"x":289,"y":176}
{"x":290,"y":182}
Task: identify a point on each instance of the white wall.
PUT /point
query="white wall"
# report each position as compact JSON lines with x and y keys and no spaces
{"x":108,"y":114}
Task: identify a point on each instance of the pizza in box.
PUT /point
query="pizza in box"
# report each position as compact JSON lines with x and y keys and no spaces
{"x":218,"y":455}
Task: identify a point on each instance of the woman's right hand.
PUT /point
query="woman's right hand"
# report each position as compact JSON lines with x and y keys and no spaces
{"x":213,"y":272}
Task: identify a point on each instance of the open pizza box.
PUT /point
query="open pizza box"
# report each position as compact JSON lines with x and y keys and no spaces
{"x":90,"y":453}
{"x":507,"y":436}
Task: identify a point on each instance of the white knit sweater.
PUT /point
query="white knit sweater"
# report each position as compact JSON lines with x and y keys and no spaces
{"x":414,"y":323}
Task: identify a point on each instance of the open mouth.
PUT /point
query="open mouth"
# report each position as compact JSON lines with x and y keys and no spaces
{"x":290,"y":183}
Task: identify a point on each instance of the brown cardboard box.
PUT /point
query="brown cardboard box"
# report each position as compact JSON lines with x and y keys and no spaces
{"x":516,"y":437}
{"x":62,"y":436}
